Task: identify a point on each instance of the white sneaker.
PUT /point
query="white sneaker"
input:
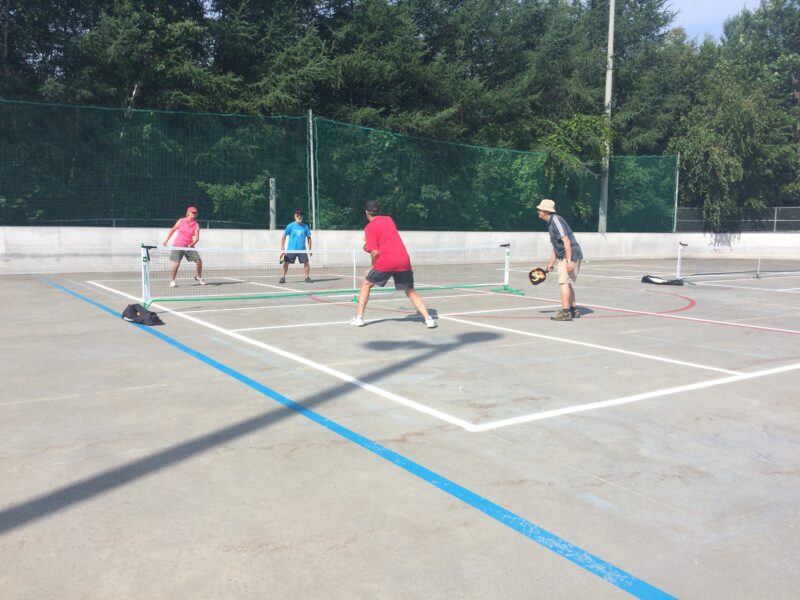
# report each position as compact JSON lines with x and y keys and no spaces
{"x":172,"y":283}
{"x":357,"y":321}
{"x":430,"y":323}
{"x":199,"y":280}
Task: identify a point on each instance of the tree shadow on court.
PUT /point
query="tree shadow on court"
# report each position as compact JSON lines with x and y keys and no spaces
{"x":64,"y":497}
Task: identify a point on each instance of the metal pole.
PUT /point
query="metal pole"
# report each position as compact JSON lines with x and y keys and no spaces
{"x":603,"y":216}
{"x":681,"y":246}
{"x":273,"y":204}
{"x":312,"y":171}
{"x":145,"y":276}
{"x":677,"y":181}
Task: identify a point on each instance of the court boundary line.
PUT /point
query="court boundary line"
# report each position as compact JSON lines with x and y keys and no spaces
{"x":663,"y":315}
{"x":550,"y":541}
{"x":588,"y":345}
{"x":635,"y":398}
{"x":422,"y":408}
{"x":467,"y":425}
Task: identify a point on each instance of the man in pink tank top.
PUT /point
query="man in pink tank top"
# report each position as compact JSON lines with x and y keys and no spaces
{"x":188,"y":235}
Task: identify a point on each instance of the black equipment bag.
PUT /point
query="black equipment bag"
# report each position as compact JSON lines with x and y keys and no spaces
{"x":136,"y":313}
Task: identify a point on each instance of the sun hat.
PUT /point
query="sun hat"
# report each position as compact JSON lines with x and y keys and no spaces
{"x":547,"y":206}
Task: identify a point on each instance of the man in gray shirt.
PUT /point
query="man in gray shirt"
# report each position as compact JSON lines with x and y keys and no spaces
{"x":567,"y":253}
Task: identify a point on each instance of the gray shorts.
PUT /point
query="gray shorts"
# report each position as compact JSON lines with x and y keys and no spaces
{"x":403,"y":280}
{"x":300,"y":256}
{"x":177,"y":255}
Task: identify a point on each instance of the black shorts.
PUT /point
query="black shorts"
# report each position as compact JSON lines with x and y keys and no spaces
{"x":403,"y":280}
{"x":300,"y":256}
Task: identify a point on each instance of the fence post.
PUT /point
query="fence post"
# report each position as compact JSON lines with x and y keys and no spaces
{"x":312,"y":170}
{"x":273,"y":203}
{"x":677,"y":181}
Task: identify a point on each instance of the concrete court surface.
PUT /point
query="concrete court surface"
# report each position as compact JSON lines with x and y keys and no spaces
{"x":266,"y":449}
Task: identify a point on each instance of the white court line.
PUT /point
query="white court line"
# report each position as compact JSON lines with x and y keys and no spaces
{"x":323,"y":323}
{"x":751,"y":288}
{"x":494,"y":310}
{"x":321,"y":304}
{"x":694,"y":319}
{"x":588,"y":345}
{"x":293,"y":326}
{"x":548,"y":414}
{"x":467,"y":426}
{"x":442,"y":416}
{"x":267,"y":285}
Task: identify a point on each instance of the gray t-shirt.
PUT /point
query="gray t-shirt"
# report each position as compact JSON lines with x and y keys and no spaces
{"x":559,"y":228}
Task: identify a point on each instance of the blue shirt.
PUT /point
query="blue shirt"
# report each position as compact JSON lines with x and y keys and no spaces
{"x":559,"y":228}
{"x":296,"y":236}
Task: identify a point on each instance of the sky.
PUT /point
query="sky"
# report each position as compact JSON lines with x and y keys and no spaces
{"x":699,"y":17}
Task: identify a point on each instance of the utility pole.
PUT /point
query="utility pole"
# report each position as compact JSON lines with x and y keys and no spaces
{"x":603,"y":216}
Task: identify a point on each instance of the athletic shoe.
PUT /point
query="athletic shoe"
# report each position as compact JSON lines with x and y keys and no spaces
{"x":199,"y":280}
{"x":430,"y":323}
{"x":308,"y":279}
{"x":357,"y":321}
{"x":562,"y":315}
{"x":172,"y":283}
{"x":575,"y":312}
{"x":282,"y":280}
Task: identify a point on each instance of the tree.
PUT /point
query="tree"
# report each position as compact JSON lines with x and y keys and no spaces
{"x":731,"y":139}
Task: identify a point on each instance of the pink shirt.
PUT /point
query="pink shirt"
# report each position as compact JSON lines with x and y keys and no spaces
{"x":186,"y":232}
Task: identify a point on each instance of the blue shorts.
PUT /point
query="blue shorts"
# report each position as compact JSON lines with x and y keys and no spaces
{"x":403,"y":280}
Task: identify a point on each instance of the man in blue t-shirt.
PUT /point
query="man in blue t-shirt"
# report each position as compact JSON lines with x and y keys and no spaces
{"x":567,"y":254}
{"x":299,"y":235}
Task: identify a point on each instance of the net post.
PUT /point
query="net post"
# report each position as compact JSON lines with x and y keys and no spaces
{"x":681,"y":246}
{"x":506,"y":273}
{"x":355,"y":278}
{"x":146,"y":299}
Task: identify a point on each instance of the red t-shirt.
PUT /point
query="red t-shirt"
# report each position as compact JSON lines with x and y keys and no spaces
{"x":381,"y":235}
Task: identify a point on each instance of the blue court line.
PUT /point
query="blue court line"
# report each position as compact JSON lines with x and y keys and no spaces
{"x":595,"y":565}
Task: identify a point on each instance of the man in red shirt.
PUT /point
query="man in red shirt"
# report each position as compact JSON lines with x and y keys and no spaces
{"x":389,"y":260}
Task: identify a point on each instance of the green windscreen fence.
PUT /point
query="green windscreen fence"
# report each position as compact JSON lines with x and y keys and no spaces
{"x":424,"y":185}
{"x":73,"y":165}
{"x":68,"y":165}
{"x":641,"y":193}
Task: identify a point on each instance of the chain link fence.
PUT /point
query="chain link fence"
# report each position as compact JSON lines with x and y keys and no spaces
{"x":773,"y":219}
{"x":76,"y":165}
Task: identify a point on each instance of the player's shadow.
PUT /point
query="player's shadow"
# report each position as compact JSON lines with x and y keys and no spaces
{"x":415,"y":317}
{"x":324,"y":279}
{"x":583,"y":310}
{"x":82,"y":490}
{"x":458,"y":341}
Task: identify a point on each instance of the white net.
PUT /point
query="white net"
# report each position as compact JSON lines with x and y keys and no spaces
{"x":246,"y":274}
{"x":695,"y":261}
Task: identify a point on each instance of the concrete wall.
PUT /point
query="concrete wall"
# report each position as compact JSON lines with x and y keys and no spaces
{"x":100,"y":249}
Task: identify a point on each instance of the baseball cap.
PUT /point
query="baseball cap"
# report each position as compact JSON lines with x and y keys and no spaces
{"x":547,"y":206}
{"x":298,"y":212}
{"x":373,"y":207}
{"x":191,"y":209}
